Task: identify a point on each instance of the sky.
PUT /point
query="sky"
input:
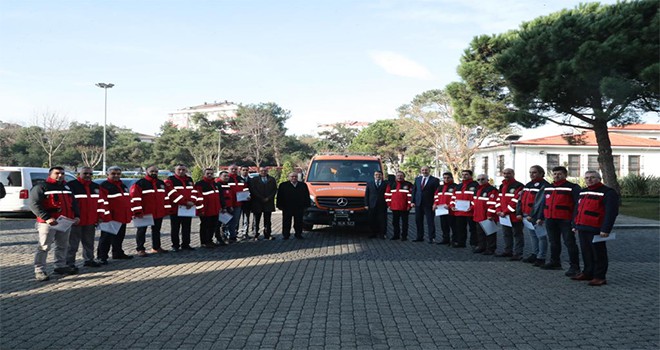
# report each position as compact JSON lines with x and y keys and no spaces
{"x":325,"y":61}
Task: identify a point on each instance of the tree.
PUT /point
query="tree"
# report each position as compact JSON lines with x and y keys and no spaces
{"x":49,"y":130}
{"x":262,"y":129}
{"x":337,"y":139}
{"x":172,"y":147}
{"x":384,"y":138}
{"x":429,"y":120}
{"x":588,"y":67}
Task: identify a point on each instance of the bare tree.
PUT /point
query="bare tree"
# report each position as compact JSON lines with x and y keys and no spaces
{"x":259,"y":128}
{"x":90,"y":155}
{"x":49,"y":130}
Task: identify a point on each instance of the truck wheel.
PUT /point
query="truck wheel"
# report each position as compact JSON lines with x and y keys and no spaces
{"x":308,"y":227}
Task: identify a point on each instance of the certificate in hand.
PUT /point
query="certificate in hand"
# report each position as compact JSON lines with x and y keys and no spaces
{"x":540,"y":231}
{"x":505,"y":221}
{"x":489,"y":226}
{"x":462,"y":205}
{"x":111,"y":227}
{"x":224,"y":217}
{"x":528,"y":225}
{"x":598,"y":238}
{"x":243,"y":196}
{"x":146,"y":220}
{"x":63,"y":224}
{"x":187,"y":212}
{"x":440,"y":211}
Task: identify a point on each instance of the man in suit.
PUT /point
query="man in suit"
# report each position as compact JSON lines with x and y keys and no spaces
{"x":374,"y":201}
{"x":423,"y":198}
{"x":263,"y":189}
{"x":292,"y":199}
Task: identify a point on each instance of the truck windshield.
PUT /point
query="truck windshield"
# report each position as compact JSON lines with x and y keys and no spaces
{"x":343,"y":170}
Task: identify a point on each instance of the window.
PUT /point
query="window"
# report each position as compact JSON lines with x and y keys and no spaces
{"x":485,"y":164}
{"x":552,"y":161}
{"x":574,"y":165}
{"x":633,"y":165}
{"x":592,"y":162}
{"x":500,"y":164}
{"x":617,"y":165}
{"x":343,"y":170}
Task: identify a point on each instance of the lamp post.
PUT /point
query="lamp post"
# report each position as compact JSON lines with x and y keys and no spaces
{"x":105,"y":87}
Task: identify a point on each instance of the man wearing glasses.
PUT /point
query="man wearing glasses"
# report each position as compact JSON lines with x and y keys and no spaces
{"x":91,"y":205}
{"x":50,"y":200}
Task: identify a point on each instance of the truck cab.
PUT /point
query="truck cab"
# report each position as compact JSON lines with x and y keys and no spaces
{"x":337,"y":185}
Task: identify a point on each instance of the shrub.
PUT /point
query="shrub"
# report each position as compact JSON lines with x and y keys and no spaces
{"x":640,"y":186}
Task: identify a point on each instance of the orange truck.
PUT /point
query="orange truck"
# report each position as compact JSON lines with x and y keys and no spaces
{"x":337,"y":184}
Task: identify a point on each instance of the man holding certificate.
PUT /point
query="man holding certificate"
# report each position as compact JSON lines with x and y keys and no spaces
{"x":49,"y":201}
{"x":507,"y":201}
{"x":485,"y":198}
{"x":208,"y":208}
{"x":148,"y":197}
{"x":442,"y":200}
{"x":183,"y":196}
{"x":92,"y":210}
{"x":398,"y":197}
{"x":461,"y":205}
{"x":529,"y":202}
{"x":118,"y":209}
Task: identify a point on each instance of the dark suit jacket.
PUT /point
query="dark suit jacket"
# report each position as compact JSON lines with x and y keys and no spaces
{"x":247,"y":206}
{"x":425,"y":196}
{"x":292,"y":199}
{"x":374,"y":197}
{"x":262,"y":194}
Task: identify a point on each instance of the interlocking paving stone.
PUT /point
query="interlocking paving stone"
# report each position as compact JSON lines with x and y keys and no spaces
{"x":335,"y":289}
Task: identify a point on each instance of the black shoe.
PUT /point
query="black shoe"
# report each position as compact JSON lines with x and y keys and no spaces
{"x":219,"y":244}
{"x":103,"y":261}
{"x":122,"y":257}
{"x":285,"y":237}
{"x":418,"y":240}
{"x":188,"y":248}
{"x":270,"y":238}
{"x":572,"y":271}
{"x":233,"y":240}
{"x":175,"y":250}
{"x":404,"y":238}
{"x":516,"y":257}
{"x":65,"y":271}
{"x":299,"y":237}
{"x":530,"y":259}
{"x":488,"y":252}
{"x":444,"y":242}
{"x":373,"y":236}
{"x":478,"y":251}
{"x":539,"y":262}
{"x":504,"y":255}
{"x":551,"y":266}
{"x":91,"y":263}
{"x":458,"y":245}
{"x":395,"y":238}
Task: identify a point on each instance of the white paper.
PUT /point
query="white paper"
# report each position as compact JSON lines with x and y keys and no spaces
{"x":540,"y":231}
{"x":489,"y":226}
{"x":462,"y":205}
{"x":224,"y":217}
{"x":146,"y":220}
{"x":63,"y":224}
{"x":439,"y":211}
{"x":506,"y":220}
{"x":528,"y":224}
{"x":243,"y":196}
{"x":111,"y":227}
{"x":598,"y":238}
{"x":187,"y":212}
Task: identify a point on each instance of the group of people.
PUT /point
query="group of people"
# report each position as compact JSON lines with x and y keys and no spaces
{"x":68,"y":213}
{"x":554,"y":212}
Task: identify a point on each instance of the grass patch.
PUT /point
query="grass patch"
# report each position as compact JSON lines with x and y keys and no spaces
{"x":641,"y":207}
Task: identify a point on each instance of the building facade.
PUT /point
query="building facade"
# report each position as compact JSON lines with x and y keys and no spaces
{"x":214,"y":111}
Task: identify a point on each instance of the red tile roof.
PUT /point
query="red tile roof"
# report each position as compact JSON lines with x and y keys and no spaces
{"x":637,"y":127}
{"x":588,"y":138}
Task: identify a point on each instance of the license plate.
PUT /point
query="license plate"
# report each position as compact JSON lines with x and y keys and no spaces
{"x":345,"y":223}
{"x":341,"y":215}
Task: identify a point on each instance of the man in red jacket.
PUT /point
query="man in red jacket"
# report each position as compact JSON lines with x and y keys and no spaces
{"x":48,"y":201}
{"x":398,"y":197}
{"x":507,"y":201}
{"x":237,"y":184}
{"x":117,"y":208}
{"x":485,"y":199}
{"x":91,"y":206}
{"x":208,"y":207}
{"x":463,"y":219}
{"x":181,"y":192}
{"x":227,"y":205}
{"x":148,"y":197}
{"x":443,"y":199}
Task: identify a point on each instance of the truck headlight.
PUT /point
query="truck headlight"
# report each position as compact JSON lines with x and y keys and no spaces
{"x":312,"y":200}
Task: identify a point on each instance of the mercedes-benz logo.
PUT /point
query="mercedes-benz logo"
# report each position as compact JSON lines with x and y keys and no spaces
{"x":342,"y":202}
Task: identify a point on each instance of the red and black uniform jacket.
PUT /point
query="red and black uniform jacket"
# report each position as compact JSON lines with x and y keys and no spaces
{"x":237,"y":184}
{"x":52,"y":199}
{"x":209,"y":195}
{"x":148,"y":196}
{"x":398,"y":195}
{"x":558,"y":201}
{"x":485,"y":199}
{"x":227,"y":196}
{"x":117,"y":201}
{"x":443,"y":195}
{"x":597,"y":209}
{"x":530,"y":197}
{"x":464,"y":191}
{"x":508,"y":198}
{"x":90,"y":203}
{"x":180,"y":190}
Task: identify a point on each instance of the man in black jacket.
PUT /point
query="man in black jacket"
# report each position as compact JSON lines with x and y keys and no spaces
{"x":292,"y":199}
{"x":374,"y":201}
{"x":263,"y":189}
{"x":422,"y":199}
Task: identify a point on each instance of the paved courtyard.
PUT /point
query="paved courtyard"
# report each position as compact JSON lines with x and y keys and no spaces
{"x":332,"y":290}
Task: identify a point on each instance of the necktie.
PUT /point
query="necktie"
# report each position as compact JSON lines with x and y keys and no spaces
{"x":423,"y":182}
{"x":378,"y":183}
{"x":263,"y":179}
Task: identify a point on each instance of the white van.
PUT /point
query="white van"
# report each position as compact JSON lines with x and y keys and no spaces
{"x":18,"y":181}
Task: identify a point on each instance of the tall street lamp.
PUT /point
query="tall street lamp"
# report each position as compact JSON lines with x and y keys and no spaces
{"x":105,"y":87}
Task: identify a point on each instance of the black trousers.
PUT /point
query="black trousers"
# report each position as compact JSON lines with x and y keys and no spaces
{"x":400,"y":219}
{"x":425,"y":213}
{"x":182,"y":224}
{"x":267,"y":223}
{"x":488,"y":243}
{"x":559,"y":229}
{"x":207,"y":226}
{"x":461,"y":225}
{"x":141,"y":235}
{"x":297,"y":216}
{"x":108,"y":240}
{"x":448,"y":227}
{"x":594,"y":255}
{"x":378,"y":221}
